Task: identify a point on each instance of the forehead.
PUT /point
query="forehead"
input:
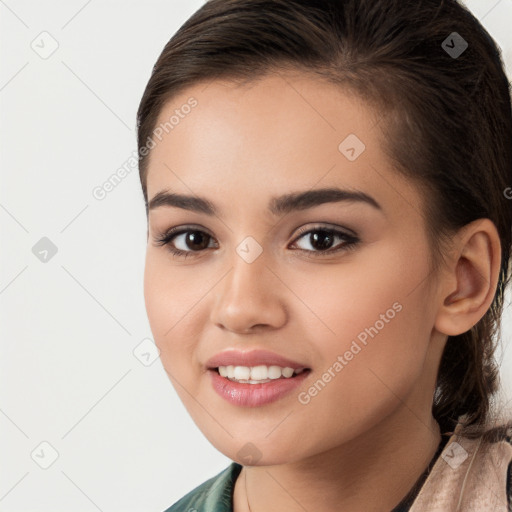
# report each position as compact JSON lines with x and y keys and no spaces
{"x":282,"y":132}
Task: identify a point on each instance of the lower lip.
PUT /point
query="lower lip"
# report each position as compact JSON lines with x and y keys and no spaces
{"x":254,"y":395}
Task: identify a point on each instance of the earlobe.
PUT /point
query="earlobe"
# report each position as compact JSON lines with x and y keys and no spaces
{"x":471,"y":284}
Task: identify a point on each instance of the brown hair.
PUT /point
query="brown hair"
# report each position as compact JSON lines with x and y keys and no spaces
{"x":448,"y":124}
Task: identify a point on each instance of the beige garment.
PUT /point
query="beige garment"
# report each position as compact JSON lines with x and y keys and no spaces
{"x":468,"y":476}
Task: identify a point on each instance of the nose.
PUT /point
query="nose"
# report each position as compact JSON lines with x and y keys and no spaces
{"x":249,"y":298}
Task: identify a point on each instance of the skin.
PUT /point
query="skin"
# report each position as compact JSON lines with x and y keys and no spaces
{"x":362,"y":442}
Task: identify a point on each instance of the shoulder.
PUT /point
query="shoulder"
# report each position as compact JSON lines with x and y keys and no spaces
{"x":509,"y":478}
{"x":472,"y":473}
{"x":492,"y":469}
{"x":509,"y":486}
{"x":213,"y":495}
{"x":499,"y":452}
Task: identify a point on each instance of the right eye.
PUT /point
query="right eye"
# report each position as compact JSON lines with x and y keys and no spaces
{"x":191,"y":241}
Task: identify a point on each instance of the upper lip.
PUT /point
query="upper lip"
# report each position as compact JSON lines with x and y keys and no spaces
{"x":251,"y":358}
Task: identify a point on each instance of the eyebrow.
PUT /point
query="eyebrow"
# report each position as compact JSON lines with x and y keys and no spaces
{"x":277,"y":205}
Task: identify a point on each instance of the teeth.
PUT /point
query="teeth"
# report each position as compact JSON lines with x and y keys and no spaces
{"x":242,"y":372}
{"x":259,"y":372}
{"x":255,"y":374}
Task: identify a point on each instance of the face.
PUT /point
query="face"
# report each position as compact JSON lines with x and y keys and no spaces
{"x":333,"y":282}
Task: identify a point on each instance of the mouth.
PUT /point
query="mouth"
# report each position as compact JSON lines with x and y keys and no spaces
{"x":260,"y":374}
{"x":244,"y":386}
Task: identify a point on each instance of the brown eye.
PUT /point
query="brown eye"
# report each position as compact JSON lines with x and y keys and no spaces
{"x":185,"y":242}
{"x":196,"y":240}
{"x":322,"y":239}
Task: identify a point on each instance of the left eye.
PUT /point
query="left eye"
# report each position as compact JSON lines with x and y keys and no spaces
{"x":322,"y":239}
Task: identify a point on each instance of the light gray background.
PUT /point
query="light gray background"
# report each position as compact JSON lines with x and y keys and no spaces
{"x":70,"y":326}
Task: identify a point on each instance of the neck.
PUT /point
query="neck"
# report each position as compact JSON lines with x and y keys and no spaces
{"x":372,"y":472}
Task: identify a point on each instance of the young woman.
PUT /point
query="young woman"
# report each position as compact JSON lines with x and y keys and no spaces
{"x":328,"y":192}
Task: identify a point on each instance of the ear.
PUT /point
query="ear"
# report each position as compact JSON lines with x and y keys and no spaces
{"x":470,"y":282}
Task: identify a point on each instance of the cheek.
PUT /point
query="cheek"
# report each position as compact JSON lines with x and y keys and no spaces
{"x":375,"y":317}
{"x":168,"y":302}
{"x":156,"y":295}
{"x":169,"y":292}
{"x":368,"y":370}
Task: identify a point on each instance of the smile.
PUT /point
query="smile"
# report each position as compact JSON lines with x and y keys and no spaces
{"x":239,"y":387}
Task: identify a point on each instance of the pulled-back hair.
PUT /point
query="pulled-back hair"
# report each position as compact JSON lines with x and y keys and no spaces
{"x":446,"y":121}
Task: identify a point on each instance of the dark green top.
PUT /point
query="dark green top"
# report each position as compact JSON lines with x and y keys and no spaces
{"x":216,"y":494}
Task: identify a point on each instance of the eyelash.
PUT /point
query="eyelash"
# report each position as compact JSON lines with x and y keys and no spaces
{"x":350,"y":241}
